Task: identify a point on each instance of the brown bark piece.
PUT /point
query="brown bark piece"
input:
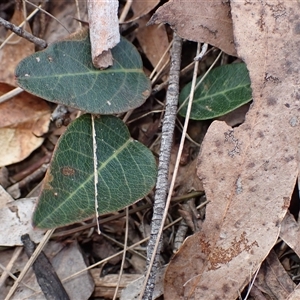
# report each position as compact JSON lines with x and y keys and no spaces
{"x":200,"y":21}
{"x":248,"y":172}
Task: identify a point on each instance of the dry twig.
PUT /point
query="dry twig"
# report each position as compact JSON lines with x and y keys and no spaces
{"x":163,"y":165}
{"x":21,"y":32}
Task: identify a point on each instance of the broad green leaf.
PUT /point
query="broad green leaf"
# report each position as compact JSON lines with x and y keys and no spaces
{"x":64,"y":73}
{"x":126,"y":173}
{"x":224,"y":89}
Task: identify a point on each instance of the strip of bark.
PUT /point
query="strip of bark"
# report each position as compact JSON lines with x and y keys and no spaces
{"x":104,"y":31}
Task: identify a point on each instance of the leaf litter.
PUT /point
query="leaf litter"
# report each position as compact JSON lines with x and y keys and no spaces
{"x":201,"y":21}
{"x":238,"y":184}
{"x":241,"y":167}
{"x":15,"y":50}
{"x":24,"y":121}
{"x":272,"y":279}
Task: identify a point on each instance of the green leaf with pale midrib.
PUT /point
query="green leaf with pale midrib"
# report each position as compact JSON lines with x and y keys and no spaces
{"x":126,"y":170}
{"x":224,"y":89}
{"x":64,"y":73}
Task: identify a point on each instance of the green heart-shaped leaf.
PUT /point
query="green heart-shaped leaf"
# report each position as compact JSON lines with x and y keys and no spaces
{"x":224,"y":89}
{"x":126,"y":173}
{"x":64,"y":73}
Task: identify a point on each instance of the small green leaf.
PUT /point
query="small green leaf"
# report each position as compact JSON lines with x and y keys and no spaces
{"x":126,"y":173}
{"x":224,"y":89}
{"x":64,"y":73}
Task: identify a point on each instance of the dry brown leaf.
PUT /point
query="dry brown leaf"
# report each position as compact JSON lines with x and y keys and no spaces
{"x":14,"y":51}
{"x":295,"y":295}
{"x":273,"y":280}
{"x":186,"y":179}
{"x":290,"y":232}
{"x":248,"y":172}
{"x":153,"y":40}
{"x":138,"y":263}
{"x":24,"y":119}
{"x":141,"y":8}
{"x":133,"y":289}
{"x":16,"y":219}
{"x":105,"y":286}
{"x":5,"y":198}
{"x":65,"y":11}
{"x":236,"y":117}
{"x":200,"y":21}
{"x":102,"y":249}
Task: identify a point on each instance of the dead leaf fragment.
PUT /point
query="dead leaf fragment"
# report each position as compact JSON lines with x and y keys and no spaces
{"x":105,"y":286}
{"x":290,"y":232}
{"x":24,"y":119}
{"x":153,"y":40}
{"x":64,"y":11}
{"x":16,"y":218}
{"x":14,"y":51}
{"x":5,"y":197}
{"x":295,"y":295}
{"x":248,"y":172}
{"x":273,"y":280}
{"x":200,"y":21}
{"x":141,"y":8}
{"x":132,"y":290}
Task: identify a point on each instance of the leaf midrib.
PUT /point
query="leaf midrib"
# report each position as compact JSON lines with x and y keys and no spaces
{"x":198,"y":99}
{"x":84,"y":73}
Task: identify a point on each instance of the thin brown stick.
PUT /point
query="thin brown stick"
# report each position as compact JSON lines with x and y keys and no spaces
{"x":162,"y":185}
{"x":21,"y":32}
